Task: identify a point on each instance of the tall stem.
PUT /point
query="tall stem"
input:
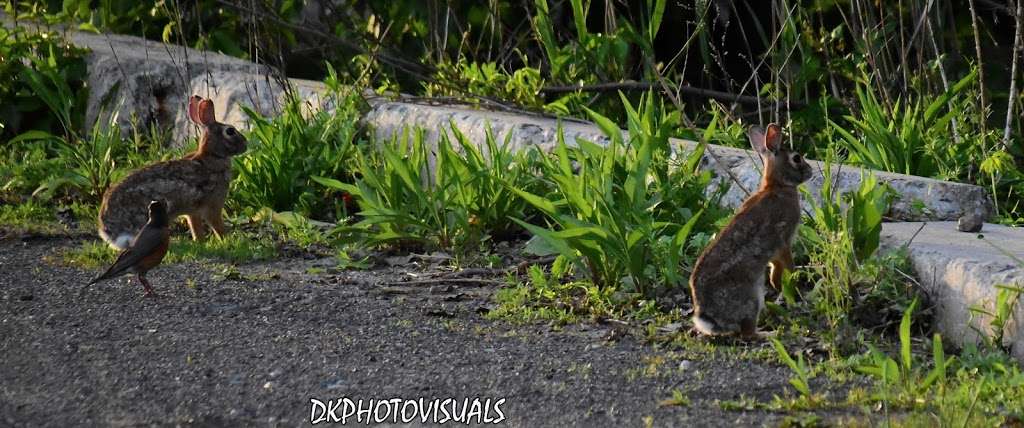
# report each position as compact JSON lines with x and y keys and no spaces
{"x":983,"y":107}
{"x":1013,"y":76}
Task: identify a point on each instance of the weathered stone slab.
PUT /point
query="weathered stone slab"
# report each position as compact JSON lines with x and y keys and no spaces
{"x":231,"y":91}
{"x":148,"y":79}
{"x":959,"y":271}
{"x":151,"y":81}
{"x":148,"y":82}
{"x":919,"y":198}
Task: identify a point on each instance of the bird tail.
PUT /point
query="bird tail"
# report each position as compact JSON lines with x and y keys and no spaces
{"x":105,"y":276}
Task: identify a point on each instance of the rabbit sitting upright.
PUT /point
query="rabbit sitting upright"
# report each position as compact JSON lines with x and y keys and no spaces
{"x":728,"y":279}
{"x":195,"y":185}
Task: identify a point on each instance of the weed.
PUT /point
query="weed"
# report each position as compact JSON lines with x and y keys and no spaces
{"x":298,"y":229}
{"x":843,"y":234}
{"x":541,"y":298}
{"x":41,"y":83}
{"x":801,"y":372}
{"x":29,"y":216}
{"x":288,"y":150}
{"x":452,"y":201}
{"x":908,"y":138}
{"x":234,"y":248}
{"x":902,"y":381}
{"x":91,"y":164}
{"x":622,"y":213}
{"x":679,"y":398}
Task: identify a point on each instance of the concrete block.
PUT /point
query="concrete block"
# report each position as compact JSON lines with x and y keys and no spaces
{"x":919,"y":198}
{"x":959,"y":271}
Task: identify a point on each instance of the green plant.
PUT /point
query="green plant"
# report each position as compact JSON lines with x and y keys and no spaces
{"x":41,"y":83}
{"x":592,"y":57}
{"x":678,"y":398}
{"x":286,"y":151}
{"x":453,"y":200}
{"x":521,"y":86}
{"x":480,"y":177}
{"x":843,"y":233}
{"x":545,"y":297}
{"x":23,"y":167}
{"x":79,"y":169}
{"x":29,"y":216}
{"x":1004,"y":178}
{"x":909,"y":138}
{"x":1006,"y":301}
{"x":91,"y":164}
{"x":801,"y":372}
{"x":615,"y":209}
{"x":236,"y":247}
{"x":909,"y":379}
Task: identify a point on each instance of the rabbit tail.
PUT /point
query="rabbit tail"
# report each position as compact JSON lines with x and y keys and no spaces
{"x":119,"y":241}
{"x":708,"y":326}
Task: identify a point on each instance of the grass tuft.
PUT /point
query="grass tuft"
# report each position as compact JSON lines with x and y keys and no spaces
{"x":239,"y":247}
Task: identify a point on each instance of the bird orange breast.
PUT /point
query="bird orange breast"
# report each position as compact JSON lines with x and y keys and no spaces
{"x":154,"y":258}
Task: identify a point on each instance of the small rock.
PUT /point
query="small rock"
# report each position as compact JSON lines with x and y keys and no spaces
{"x":671,"y":327}
{"x":66,"y":218}
{"x":440,"y":312}
{"x":685,"y":365}
{"x":334,"y":383}
{"x":441,"y":289}
{"x":969,"y":223}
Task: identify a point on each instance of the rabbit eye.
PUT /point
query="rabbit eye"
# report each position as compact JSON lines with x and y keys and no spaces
{"x":796,"y":159}
{"x":230,"y":132}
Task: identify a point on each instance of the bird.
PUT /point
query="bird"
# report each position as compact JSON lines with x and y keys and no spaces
{"x":146,"y":251}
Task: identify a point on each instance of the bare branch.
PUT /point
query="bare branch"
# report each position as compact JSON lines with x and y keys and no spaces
{"x":983,"y":107}
{"x":1013,"y":74}
{"x":644,"y":86}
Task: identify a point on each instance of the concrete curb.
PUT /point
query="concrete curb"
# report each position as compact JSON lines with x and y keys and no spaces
{"x":959,"y":271}
{"x":152,"y":81}
{"x":919,"y":198}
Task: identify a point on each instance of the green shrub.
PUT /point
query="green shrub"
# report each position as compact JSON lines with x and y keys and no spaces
{"x":80,"y":169}
{"x":912,"y":137}
{"x":41,"y":83}
{"x":843,"y":233}
{"x":286,"y":151}
{"x":622,"y":212}
{"x":453,"y":200}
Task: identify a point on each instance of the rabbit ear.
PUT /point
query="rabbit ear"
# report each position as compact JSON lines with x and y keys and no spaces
{"x":773,"y":138}
{"x":763,"y":141}
{"x":205,"y":112}
{"x":756,"y":136}
{"x":200,"y":111}
{"x":193,"y":109}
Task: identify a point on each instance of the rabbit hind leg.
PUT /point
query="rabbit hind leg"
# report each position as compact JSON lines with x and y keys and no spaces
{"x":748,"y":330}
{"x":781,"y":262}
{"x":214,"y":216}
{"x":196,"y":226}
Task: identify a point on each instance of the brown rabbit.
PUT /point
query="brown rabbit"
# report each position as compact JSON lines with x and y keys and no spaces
{"x":195,"y":185}
{"x":728,"y":279}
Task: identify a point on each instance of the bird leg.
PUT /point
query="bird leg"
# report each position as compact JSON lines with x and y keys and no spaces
{"x":145,"y":284}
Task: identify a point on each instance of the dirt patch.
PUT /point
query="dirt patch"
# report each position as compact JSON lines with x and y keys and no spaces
{"x":255,"y":347}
